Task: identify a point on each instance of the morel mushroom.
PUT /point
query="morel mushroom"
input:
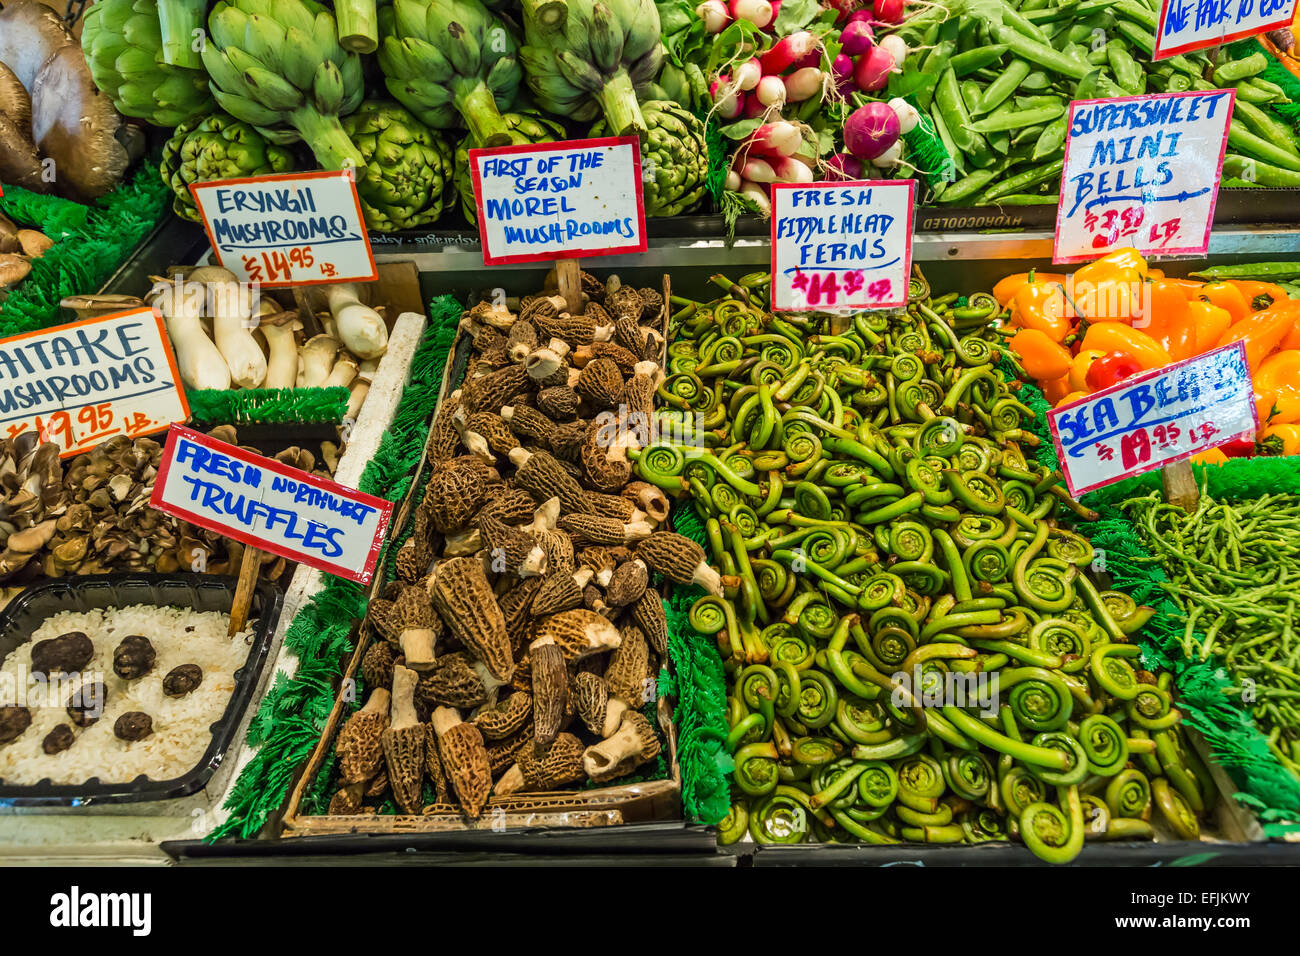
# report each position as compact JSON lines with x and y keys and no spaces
{"x":13,"y":721}
{"x":433,"y":767}
{"x":58,"y":740}
{"x":624,"y":359}
{"x":629,"y":747}
{"x":86,"y":704}
{"x":504,"y":718}
{"x":134,"y":657}
{"x":559,"y":402}
{"x":579,"y":633}
{"x":456,"y":490}
{"x":543,"y":477}
{"x":629,"y":666}
{"x":133,"y":725}
{"x":649,"y":499}
{"x":377,"y":664}
{"x":628,"y":583}
{"x":528,"y":423}
{"x":599,"y":383}
{"x":464,"y":760}
{"x":680,"y":560}
{"x":65,"y":654}
{"x":413,"y":614}
{"x":360,"y":748}
{"x":561,"y":591}
{"x":592,"y":529}
{"x":403,"y":742}
{"x":550,"y":680}
{"x":487,"y":393}
{"x":590,"y":696}
{"x":462,"y":595}
{"x":182,"y":680}
{"x":511,"y":550}
{"x":516,"y":609}
{"x":648,"y":612}
{"x":453,"y":682}
{"x":559,"y":766}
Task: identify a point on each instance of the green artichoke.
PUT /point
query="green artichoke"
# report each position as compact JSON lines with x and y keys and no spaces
{"x":406,"y":180}
{"x":122,"y":43}
{"x":674,"y":158}
{"x":358,"y":24}
{"x":216,"y":147}
{"x":587,"y":57}
{"x":278,"y":65}
{"x":449,"y":61}
{"x":524,"y":128}
{"x":182,"y":25}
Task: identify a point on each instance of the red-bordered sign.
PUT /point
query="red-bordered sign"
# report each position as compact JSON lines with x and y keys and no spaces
{"x":236,"y":494}
{"x":1186,"y":32}
{"x":298,"y":229}
{"x":562,"y":210}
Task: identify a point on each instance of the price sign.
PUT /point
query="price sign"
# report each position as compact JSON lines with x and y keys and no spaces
{"x":564,"y":200}
{"x":81,"y":384}
{"x":1156,"y":418}
{"x":290,"y":229}
{"x":1142,"y":172}
{"x":270,"y":506}
{"x":1187,"y":25}
{"x":841,"y":246}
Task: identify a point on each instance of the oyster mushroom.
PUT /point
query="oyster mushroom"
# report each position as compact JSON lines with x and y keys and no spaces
{"x":633,"y":744}
{"x":403,"y":742}
{"x":464,"y":760}
{"x":90,"y":306}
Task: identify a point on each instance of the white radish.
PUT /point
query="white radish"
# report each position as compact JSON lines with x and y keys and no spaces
{"x":715,"y":15}
{"x":724,"y":97}
{"x":804,"y":84}
{"x":907,"y":114}
{"x":757,"y":194}
{"x":896,"y":47}
{"x":771,"y":91}
{"x":778,"y":138}
{"x":757,"y":12}
{"x":890,"y":157}
{"x":733,"y":181}
{"x":748,"y":74}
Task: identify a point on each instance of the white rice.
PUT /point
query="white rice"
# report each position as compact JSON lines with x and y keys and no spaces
{"x":181,"y":727}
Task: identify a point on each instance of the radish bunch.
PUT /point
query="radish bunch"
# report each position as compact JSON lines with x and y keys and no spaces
{"x":769,"y":155}
{"x":873,"y":133}
{"x":789,"y":72}
{"x":863,"y":61}
{"x":717,"y":15}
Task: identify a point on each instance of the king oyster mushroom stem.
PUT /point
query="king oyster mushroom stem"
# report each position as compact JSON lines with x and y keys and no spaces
{"x":233,"y":309}
{"x":201,"y":363}
{"x":544,"y":362}
{"x":360,"y":328}
{"x":342,"y":374}
{"x":316,"y":358}
{"x":282,"y":363}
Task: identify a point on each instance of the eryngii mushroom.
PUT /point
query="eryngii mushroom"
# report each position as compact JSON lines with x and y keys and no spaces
{"x":560,"y":765}
{"x":463,"y":597}
{"x":680,"y":560}
{"x":649,"y":499}
{"x":201,"y":364}
{"x":316,"y":359}
{"x":342,"y":374}
{"x":233,"y":309}
{"x":634,"y":743}
{"x":403,"y":742}
{"x":550,"y":684}
{"x":648,"y":613}
{"x":357,"y":397}
{"x":464,"y":760}
{"x":593,"y":529}
{"x":360,"y":328}
{"x":579,"y":633}
{"x":278,"y":329}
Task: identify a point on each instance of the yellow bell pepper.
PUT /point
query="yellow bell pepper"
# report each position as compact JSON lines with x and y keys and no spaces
{"x":1211,"y":456}
{"x":1078,"y":375}
{"x":1279,"y":374}
{"x":1263,"y":331}
{"x":1118,"y":337}
{"x":1072,"y":398}
{"x":1290,"y":435}
{"x":1110,"y":289}
{"x":1210,"y":322}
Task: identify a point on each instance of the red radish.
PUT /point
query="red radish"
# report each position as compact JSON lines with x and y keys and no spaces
{"x":786,"y":51}
{"x":776,"y":10}
{"x":715,"y":15}
{"x":733,"y":181}
{"x":748,"y":74}
{"x":790,"y":169}
{"x":887,"y":11}
{"x":842,"y":8}
{"x":771,"y":91}
{"x":890,"y":157}
{"x":724,"y":98}
{"x":758,"y":194}
{"x":871,"y":70}
{"x":804,"y":84}
{"x":856,"y":37}
{"x":758,"y":170}
{"x":757,"y":12}
{"x":843,"y":166}
{"x":778,"y":138}
{"x":812,"y":59}
{"x":870,"y":130}
{"x":842,"y":71}
{"x":907,"y":114}
{"x":896,"y":47}
{"x":754,"y":108}
{"x":862,"y":14}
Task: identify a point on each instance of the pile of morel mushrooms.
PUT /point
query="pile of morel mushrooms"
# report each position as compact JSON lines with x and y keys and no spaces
{"x":521,"y":642}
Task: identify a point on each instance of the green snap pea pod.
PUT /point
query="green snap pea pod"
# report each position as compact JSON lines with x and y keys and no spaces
{"x":1017,"y":119}
{"x":1249,"y":92}
{"x":1052,"y":139}
{"x":1040,"y":53}
{"x":1262,"y":124}
{"x":1128,"y":73}
{"x":1002,"y":88}
{"x":968,"y":61}
{"x":1258,"y":172}
{"x":1235,"y":70}
{"x":956,"y":118}
{"x":968,"y":186}
{"x":1136,"y":12}
{"x":1032,"y":177}
{"x":1272,"y":89}
{"x":1243,"y":139}
{"x":1140,"y":37}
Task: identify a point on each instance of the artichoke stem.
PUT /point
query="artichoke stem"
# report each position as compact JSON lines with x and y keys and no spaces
{"x":181,"y":23}
{"x":479,"y":109}
{"x":548,"y":16}
{"x":324,"y":135}
{"x":619,"y":103}
{"x":358,"y":25}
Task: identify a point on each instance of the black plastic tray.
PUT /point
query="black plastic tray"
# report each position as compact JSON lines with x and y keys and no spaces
{"x":203,"y":592}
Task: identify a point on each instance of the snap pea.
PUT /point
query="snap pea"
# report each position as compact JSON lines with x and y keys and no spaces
{"x":1127,"y":72}
{"x":948,"y":100}
{"x":1098,"y":57}
{"x":1278,"y":94}
{"x":1144,"y":40}
{"x":1017,"y":119}
{"x":968,"y":61}
{"x":968,"y":186}
{"x":1026,"y":199}
{"x":1052,"y":139}
{"x":1246,"y":141}
{"x":1135,"y":12}
{"x":1040,"y":53}
{"x":1036,"y":82}
{"x":1235,"y":70}
{"x":1263,"y":125}
{"x":1031,"y":177}
{"x":971,"y":96}
{"x":1266,"y":271}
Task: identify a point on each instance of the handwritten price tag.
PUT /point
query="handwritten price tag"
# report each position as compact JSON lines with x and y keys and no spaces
{"x":292,"y":229}
{"x":841,"y":246}
{"x":1153,"y":419}
{"x":1187,"y":25}
{"x":78,"y":385}
{"x":1142,"y":172}
{"x":566,"y":200}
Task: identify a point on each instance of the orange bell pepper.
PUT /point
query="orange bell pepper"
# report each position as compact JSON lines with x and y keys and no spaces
{"x":1006,"y":288}
{"x":1263,"y":331}
{"x":1042,"y":306}
{"x":1191,"y":288}
{"x":1078,"y":376}
{"x":1165,"y":317}
{"x":1210,"y":321}
{"x":1118,"y":337}
{"x":1071,"y":398}
{"x":1289,"y":434}
{"x":1292,"y":338}
{"x":1122,"y":260}
{"x":1040,"y":356}
{"x":1211,"y":456}
{"x":1279,"y":374}
{"x":1055,"y":389}
{"x":1260,"y":295}
{"x":1110,"y":289}
{"x":1265,"y":401}
{"x":1227,"y":296}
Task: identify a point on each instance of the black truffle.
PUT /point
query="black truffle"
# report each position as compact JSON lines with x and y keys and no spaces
{"x":181,"y":680}
{"x":65,"y":654}
{"x":13,"y":721}
{"x":58,"y":740}
{"x":86,"y":705}
{"x":134,"y":657}
{"x":134,"y":725}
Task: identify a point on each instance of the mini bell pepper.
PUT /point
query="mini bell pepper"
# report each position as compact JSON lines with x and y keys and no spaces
{"x":1292,"y":339}
{"x":1118,"y":337}
{"x":1112,"y":367}
{"x":1260,"y":295}
{"x":1071,"y":398}
{"x":1040,"y":355}
{"x":1079,"y":368}
{"x":1211,"y":456}
{"x":1110,"y":289}
{"x":1042,"y":306}
{"x":1265,"y":402}
{"x":1289,"y":435}
{"x":1279,"y":374}
{"x":1165,"y":317}
{"x":1055,"y":389}
{"x":1210,"y":322}
{"x":1006,"y":288}
{"x":1227,"y":296}
{"x":1263,"y":331}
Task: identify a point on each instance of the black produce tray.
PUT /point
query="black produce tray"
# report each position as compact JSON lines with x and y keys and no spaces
{"x":203,"y":592}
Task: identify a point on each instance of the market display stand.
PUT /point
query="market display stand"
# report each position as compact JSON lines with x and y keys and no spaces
{"x":132,"y":832}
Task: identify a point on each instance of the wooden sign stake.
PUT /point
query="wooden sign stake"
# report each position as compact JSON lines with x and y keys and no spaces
{"x":568,"y":275}
{"x":248,"y":568}
{"x":1180,"y":487}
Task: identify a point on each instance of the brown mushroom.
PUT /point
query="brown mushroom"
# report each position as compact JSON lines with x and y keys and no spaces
{"x":628,"y":583}
{"x":34,"y":244}
{"x":680,"y":560}
{"x":560,"y":765}
{"x":20,"y":162}
{"x":629,"y":666}
{"x":648,"y":612}
{"x":464,"y":760}
{"x":505,"y":718}
{"x":13,"y":268}
{"x":76,"y":126}
{"x":377,"y":664}
{"x":403,"y":743}
{"x":592,"y":529}
{"x":579,"y":633}
{"x":634,"y":743}
{"x":463,"y":597}
{"x":90,"y":306}
{"x":58,"y":740}
{"x":133,"y":725}
{"x":182,"y":680}
{"x":561,"y":591}
{"x":15,"y":101}
{"x":66,"y":654}
{"x":550,"y":684}
{"x":649,"y":499}
{"x":87,"y":703}
{"x":591,"y":700}
{"x":453,"y":682}
{"x":134,"y":657}
{"x":13,"y":721}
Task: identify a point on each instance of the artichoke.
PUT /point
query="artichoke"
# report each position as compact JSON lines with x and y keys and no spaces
{"x":358,"y":24}
{"x":587,"y":57}
{"x":182,"y":24}
{"x":408,"y":173}
{"x":524,"y":128}
{"x":448,"y":61}
{"x":216,"y":147}
{"x":674,"y":158}
{"x":122,"y":43}
{"x":278,"y":65}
